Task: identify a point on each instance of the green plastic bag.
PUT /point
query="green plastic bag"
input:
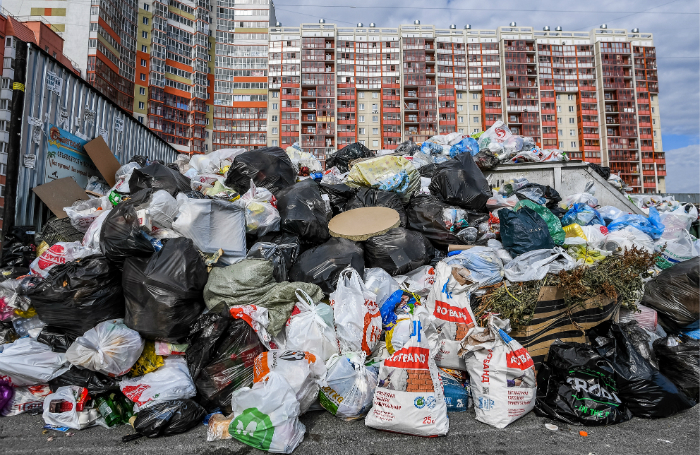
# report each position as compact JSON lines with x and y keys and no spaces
{"x":553,"y":223}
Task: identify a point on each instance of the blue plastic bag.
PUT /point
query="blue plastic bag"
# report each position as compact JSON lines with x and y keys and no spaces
{"x":651,"y":225}
{"x":484,"y":264}
{"x":431,"y":148}
{"x":397,"y":183}
{"x":582,"y":214}
{"x":468,"y":144}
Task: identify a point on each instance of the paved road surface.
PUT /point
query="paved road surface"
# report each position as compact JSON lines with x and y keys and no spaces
{"x":677,"y":435}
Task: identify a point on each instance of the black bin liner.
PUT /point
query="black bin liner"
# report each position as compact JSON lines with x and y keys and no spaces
{"x":675,"y":295}
{"x":164,"y":293}
{"x":121,"y":236}
{"x":18,"y":249}
{"x":78,"y":295}
{"x":645,"y":391}
{"x":550,"y":194}
{"x":523,"y":231}
{"x":96,"y":383}
{"x":338,"y":195}
{"x":303,"y":212}
{"x":268,"y":167}
{"x":322,"y":265}
{"x":680,"y":363}
{"x":281,"y":256}
{"x":169,"y":417}
{"x":577,"y":386}
{"x":59,"y":339}
{"x":369,"y":197}
{"x":398,"y":251}
{"x":424,"y":214}
{"x":158,"y":177}
{"x":460,"y":182}
{"x":486,"y":160}
{"x":342,"y":158}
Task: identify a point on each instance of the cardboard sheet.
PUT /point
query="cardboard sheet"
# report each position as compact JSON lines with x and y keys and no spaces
{"x":361,"y":224}
{"x":104,"y":160}
{"x":60,"y":193}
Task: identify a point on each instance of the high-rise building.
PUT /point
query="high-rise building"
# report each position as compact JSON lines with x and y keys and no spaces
{"x":240,"y":72}
{"x":591,"y":94}
{"x":100,"y":36}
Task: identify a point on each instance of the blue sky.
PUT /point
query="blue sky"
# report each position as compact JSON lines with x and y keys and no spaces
{"x":673,"y":23}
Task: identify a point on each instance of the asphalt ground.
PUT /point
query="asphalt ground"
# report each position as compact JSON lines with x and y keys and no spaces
{"x":325,"y":434}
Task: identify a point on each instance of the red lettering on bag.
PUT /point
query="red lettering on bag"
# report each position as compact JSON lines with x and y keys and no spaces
{"x":414,"y":358}
{"x":447,"y":312}
{"x":519,"y":360}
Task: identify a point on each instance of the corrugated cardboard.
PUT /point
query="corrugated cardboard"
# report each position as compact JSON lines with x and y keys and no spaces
{"x":104,"y":159}
{"x":363,"y":223}
{"x":60,"y":193}
{"x":451,"y":248}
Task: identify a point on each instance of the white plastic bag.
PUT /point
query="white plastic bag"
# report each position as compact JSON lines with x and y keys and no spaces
{"x":123,"y":175}
{"x":257,"y":318}
{"x":92,"y":236}
{"x":309,"y":330}
{"x":71,"y":418}
{"x":409,"y":397}
{"x":302,"y":370}
{"x":97,"y":185}
{"x":28,"y":399}
{"x":381,"y":283}
{"x":163,"y":209}
{"x":172,"y":381}
{"x":28,"y":362}
{"x":676,"y":244}
{"x":420,"y":280}
{"x":451,"y":313}
{"x":261,"y":216}
{"x":110,"y":347}
{"x":535,"y":265}
{"x":59,"y":253}
{"x":349,"y":387}
{"x":501,"y":252}
{"x":303,"y":159}
{"x":501,"y":372}
{"x":358,"y":322}
{"x":593,"y":235}
{"x":497,"y":134}
{"x":266,"y":417}
{"x":213,"y":224}
{"x":626,"y":238}
{"x":83,"y":213}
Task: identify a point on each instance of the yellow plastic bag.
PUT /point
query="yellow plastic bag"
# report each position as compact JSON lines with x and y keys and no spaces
{"x":389,"y":173}
{"x":574,"y":230}
{"x":148,"y":362}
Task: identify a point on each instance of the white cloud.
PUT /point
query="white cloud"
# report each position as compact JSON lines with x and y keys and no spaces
{"x":683,"y":170}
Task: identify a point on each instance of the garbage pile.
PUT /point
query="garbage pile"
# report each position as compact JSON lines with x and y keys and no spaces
{"x":243,"y":289}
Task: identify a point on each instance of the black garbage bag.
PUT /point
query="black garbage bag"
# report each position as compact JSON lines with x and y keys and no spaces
{"x":303,"y":212}
{"x":427,"y":170}
{"x":141,"y":160}
{"x":398,"y":251}
{"x":577,"y":386}
{"x":640,"y":340}
{"x":282,"y":257}
{"x":78,"y":295}
{"x":679,"y":360}
{"x":164,"y":293}
{"x":59,"y":339}
{"x":194,"y":194}
{"x":7,"y":332}
{"x":18,"y":249}
{"x":268,"y":167}
{"x":96,"y":383}
{"x":460,"y":182}
{"x":158,"y":177}
{"x":342,"y":158}
{"x":121,"y":236}
{"x":550,"y":194}
{"x":643,"y":389}
{"x":322,"y":265}
{"x":524,"y":231}
{"x":600,"y":170}
{"x":221,"y":357}
{"x":407,"y":148}
{"x":486,"y":160}
{"x":370,"y":197}
{"x":675,"y":295}
{"x":424,"y":214}
{"x":338,"y":195}
{"x":169,"y":417}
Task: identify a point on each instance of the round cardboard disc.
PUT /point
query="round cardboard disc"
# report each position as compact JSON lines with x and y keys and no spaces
{"x":363,"y":223}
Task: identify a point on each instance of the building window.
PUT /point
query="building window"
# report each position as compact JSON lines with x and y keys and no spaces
{"x":362,"y":131}
{"x":460,"y":119}
{"x":558,"y":107}
{"x":475,"y":130}
{"x":54,"y":55}
{"x":559,"y":120}
{"x":573,"y":144}
{"x":361,"y":95}
{"x":274,"y":130}
{"x":2,"y":190}
{"x":275,"y":94}
{"x":274,"y":142}
{"x":142,"y":76}
{"x":3,"y":169}
{"x":143,"y":62}
{"x":475,"y":96}
{"x":461,"y":131}
{"x":571,"y":109}
{"x":653,"y":121}
{"x":656,"y":147}
{"x":653,"y":110}
{"x":145,"y":21}
{"x":145,"y":6}
{"x":142,"y":91}
{"x":570,"y":97}
{"x":475,"y":107}
{"x":141,"y":105}
{"x":561,"y":144}
{"x":460,"y":107}
{"x":375,"y":95}
{"x":361,"y":105}
{"x":375,"y":143}
{"x":144,"y":48}
{"x":654,"y":133}
{"x":274,"y":118}
{"x":572,"y":120}
{"x":572,"y":133}
{"x":653,"y":97}
{"x":558,"y":97}
{"x":361,"y":119}
{"x":374,"y":108}
{"x":274,"y":106}
{"x":459,"y":96}
{"x":375,"y":118}
{"x":140,"y":117}
{"x":144,"y":34}
{"x":476,"y":119}
{"x":8,"y":41}
{"x":375,"y":131}
{"x":561,"y":132}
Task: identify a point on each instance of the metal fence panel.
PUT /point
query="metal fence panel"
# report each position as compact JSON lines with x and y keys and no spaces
{"x":82,"y":111}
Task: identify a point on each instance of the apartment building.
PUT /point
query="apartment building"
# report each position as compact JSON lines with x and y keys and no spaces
{"x":591,"y":94}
